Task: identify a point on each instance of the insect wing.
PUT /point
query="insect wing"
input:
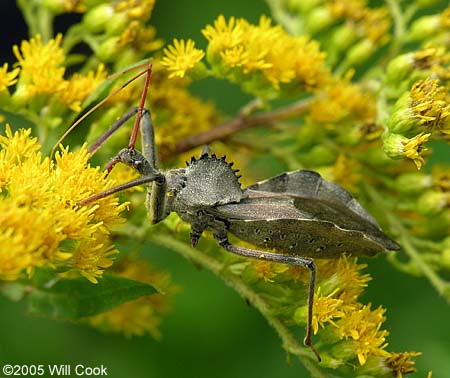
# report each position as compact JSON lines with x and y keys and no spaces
{"x":305,"y":183}
{"x":310,"y":227}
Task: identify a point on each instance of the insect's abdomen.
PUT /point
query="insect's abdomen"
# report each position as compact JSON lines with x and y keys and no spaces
{"x":308,"y":238}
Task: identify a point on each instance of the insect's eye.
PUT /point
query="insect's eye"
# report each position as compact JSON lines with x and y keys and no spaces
{"x":137,"y":163}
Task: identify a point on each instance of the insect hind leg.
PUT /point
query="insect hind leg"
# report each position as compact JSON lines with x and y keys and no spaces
{"x":283,"y":259}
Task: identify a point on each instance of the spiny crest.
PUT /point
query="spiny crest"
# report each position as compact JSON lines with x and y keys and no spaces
{"x":211,"y":181}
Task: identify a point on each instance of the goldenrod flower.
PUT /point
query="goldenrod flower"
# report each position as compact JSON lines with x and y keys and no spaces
{"x":267,"y":270}
{"x":7,"y":78}
{"x":263,"y":55}
{"x":79,"y":87}
{"x":362,"y":326}
{"x":401,"y":363}
{"x":372,"y":23}
{"x":42,"y":70}
{"x":181,"y":57}
{"x":40,"y":222}
{"x":326,"y":310}
{"x":343,"y":102}
{"x":424,"y":108}
{"x":135,"y":9}
{"x":397,"y":146}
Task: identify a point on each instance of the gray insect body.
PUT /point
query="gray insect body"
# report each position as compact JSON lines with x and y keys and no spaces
{"x":294,"y":213}
{"x":293,"y":217}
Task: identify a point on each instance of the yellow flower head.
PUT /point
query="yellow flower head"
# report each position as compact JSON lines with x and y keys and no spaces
{"x":79,"y":87}
{"x":397,"y":147}
{"x":181,"y":57}
{"x":362,"y":326}
{"x":40,"y":223}
{"x":7,"y":78}
{"x":326,"y":309}
{"x":135,"y":9}
{"x":263,"y":55}
{"x":343,"y":102}
{"x":41,"y":67}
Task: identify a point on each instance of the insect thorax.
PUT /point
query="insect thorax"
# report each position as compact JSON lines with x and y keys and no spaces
{"x":208,"y":181}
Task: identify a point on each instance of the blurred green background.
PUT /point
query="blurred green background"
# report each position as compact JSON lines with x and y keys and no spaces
{"x":211,"y":331}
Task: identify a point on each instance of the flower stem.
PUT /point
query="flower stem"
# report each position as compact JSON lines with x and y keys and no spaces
{"x":406,"y":241}
{"x":289,"y":341}
{"x":238,"y":124}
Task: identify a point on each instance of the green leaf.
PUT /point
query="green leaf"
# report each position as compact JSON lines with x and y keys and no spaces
{"x":76,"y":298}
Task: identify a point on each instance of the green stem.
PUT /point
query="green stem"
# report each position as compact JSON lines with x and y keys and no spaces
{"x":440,"y":285}
{"x":289,"y":341}
{"x":401,"y":19}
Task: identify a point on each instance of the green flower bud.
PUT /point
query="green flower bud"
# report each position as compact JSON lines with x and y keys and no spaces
{"x":343,"y":37}
{"x":360,"y":52}
{"x":319,"y":18}
{"x":394,"y":146}
{"x":400,"y":68}
{"x":414,"y":182}
{"x":403,"y":120}
{"x":97,"y":19}
{"x":445,"y":257}
{"x":109,"y":50}
{"x":375,"y":366}
{"x":425,"y":27}
{"x":54,"y":6}
{"x":432,"y":202}
{"x":302,"y":6}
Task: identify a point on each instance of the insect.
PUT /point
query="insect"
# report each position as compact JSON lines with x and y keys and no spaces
{"x":298,"y":216}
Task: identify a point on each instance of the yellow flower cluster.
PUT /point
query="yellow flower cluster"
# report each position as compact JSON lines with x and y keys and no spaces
{"x":257,"y":56}
{"x":264,"y":52}
{"x":371,"y":23}
{"x":181,"y":57}
{"x":343,"y":102}
{"x":7,"y":78}
{"x":341,"y":285}
{"x":40,"y":223}
{"x":42,"y":73}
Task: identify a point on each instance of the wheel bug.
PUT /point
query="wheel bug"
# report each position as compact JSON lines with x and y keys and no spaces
{"x":297,"y":216}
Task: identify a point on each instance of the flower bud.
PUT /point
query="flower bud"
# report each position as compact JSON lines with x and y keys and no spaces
{"x":432,"y":202}
{"x":397,"y":147}
{"x":425,"y":27}
{"x":319,"y":19}
{"x":343,"y":37}
{"x":400,"y":68}
{"x":97,"y":19}
{"x":109,"y":50}
{"x":413,"y":182}
{"x":360,"y":52}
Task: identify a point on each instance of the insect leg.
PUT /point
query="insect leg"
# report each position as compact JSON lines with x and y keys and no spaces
{"x":119,"y":188}
{"x":114,"y":127}
{"x":284,"y":259}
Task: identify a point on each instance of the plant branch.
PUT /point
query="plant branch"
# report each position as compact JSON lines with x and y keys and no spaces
{"x":240,"y":123}
{"x":290,"y":344}
{"x":439,"y":284}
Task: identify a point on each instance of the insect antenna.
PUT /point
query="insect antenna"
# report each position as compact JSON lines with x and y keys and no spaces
{"x":106,"y":135}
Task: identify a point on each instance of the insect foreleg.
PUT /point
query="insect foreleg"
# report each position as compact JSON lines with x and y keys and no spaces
{"x":120,"y":188}
{"x":284,"y":259}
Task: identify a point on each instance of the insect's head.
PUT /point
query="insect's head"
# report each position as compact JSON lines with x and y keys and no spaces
{"x":135,"y":160}
{"x":210,"y":181}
